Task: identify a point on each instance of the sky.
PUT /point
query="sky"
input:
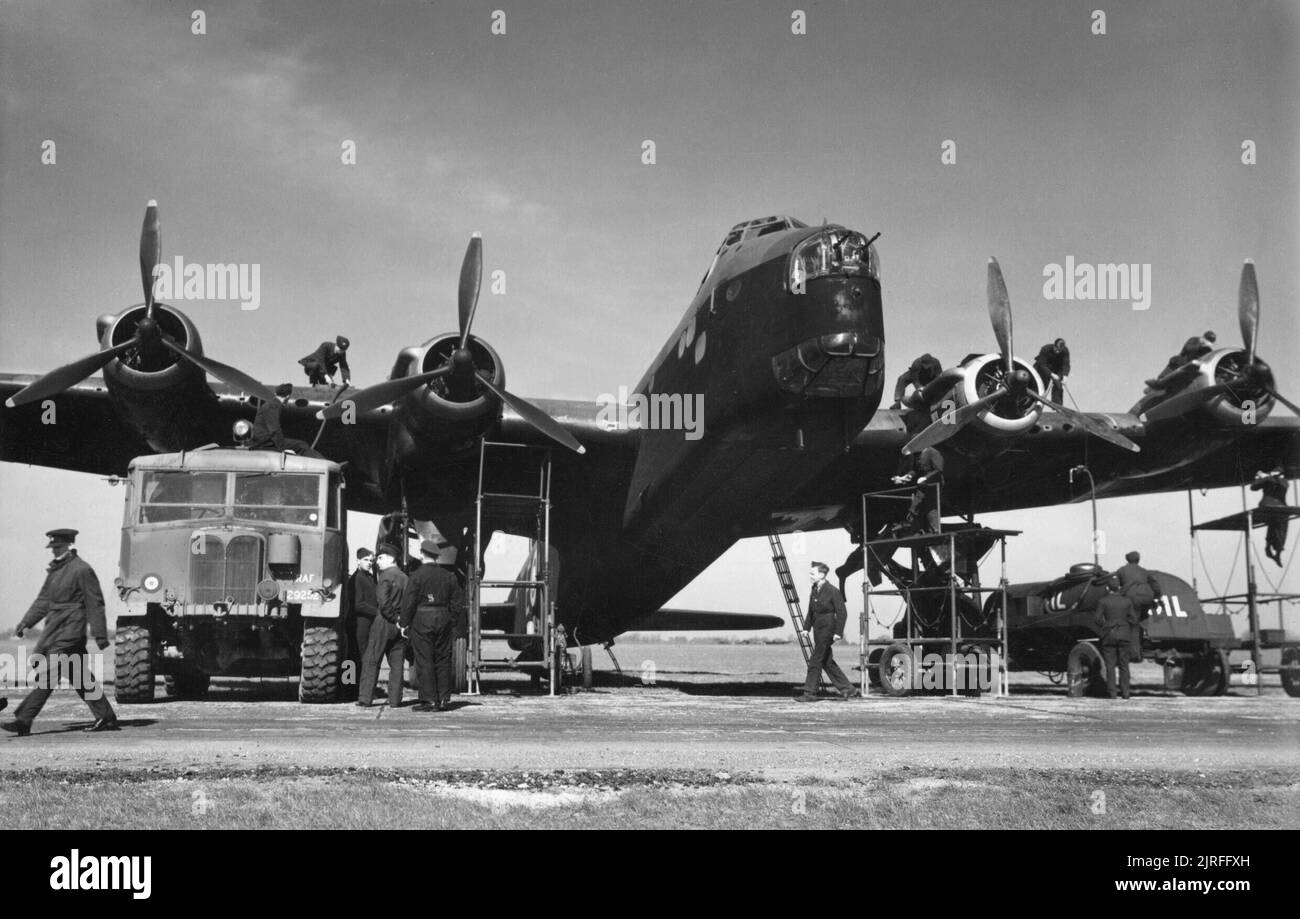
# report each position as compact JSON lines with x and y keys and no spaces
{"x":1116,"y":147}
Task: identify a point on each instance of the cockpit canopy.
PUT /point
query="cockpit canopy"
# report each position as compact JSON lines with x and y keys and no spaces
{"x":751,"y":229}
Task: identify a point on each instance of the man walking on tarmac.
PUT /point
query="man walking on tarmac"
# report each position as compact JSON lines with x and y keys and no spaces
{"x":70,"y":599}
{"x":433,"y":602}
{"x":826,"y":619}
{"x":1116,"y":619}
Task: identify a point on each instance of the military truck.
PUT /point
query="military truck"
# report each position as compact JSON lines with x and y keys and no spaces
{"x":233,"y":563}
{"x":1051,"y":629}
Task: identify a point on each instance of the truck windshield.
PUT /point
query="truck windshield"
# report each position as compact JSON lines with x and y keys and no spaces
{"x":167,"y":496}
{"x":282,"y":498}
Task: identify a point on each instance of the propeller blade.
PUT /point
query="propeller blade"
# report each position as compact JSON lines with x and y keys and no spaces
{"x":1184,"y":402}
{"x":944,"y":428}
{"x":69,"y":375}
{"x":1000,"y":312}
{"x":1287,"y":402}
{"x":1248,"y":309}
{"x":150,"y":253}
{"x":471,"y":276}
{"x":535,"y":416}
{"x":228,"y":375}
{"x":381,"y":393}
{"x":1091,"y":425}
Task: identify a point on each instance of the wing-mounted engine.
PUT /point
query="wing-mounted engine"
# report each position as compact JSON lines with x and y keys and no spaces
{"x":153,"y":364}
{"x":1231,"y":384}
{"x":1000,"y":394}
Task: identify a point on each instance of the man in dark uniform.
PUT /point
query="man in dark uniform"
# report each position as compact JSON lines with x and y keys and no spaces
{"x":1116,"y":619}
{"x":331,"y":356}
{"x":70,"y":599}
{"x":434,"y":599}
{"x":924,"y":370}
{"x":267,"y":433}
{"x":826,"y":619}
{"x":1053,"y":365}
{"x":1273,"y":486}
{"x":925,"y":472}
{"x":1194,"y":348}
{"x":365,"y":604}
{"x":386,"y":639}
{"x":1138,"y":584}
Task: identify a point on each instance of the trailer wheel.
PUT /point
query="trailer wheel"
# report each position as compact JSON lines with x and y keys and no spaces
{"x":873,"y":667}
{"x":896,"y":668}
{"x":460,"y":666}
{"x":192,"y":684}
{"x":1085,"y":671}
{"x":322,"y":658}
{"x":132,"y":665}
{"x":1207,"y":675}
{"x":1290,"y":672}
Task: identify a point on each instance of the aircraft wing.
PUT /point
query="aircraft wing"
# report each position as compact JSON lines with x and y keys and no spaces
{"x":1033,"y":469}
{"x":698,"y":620}
{"x":79,"y":430}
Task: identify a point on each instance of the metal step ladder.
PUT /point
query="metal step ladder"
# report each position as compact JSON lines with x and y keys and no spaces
{"x":791,"y":593}
{"x":514,"y":511}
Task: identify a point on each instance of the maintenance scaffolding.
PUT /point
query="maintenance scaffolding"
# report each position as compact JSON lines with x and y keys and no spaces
{"x":944,"y":567}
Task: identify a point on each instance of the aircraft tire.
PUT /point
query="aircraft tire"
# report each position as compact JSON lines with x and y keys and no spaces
{"x":1085,"y":671}
{"x":1291,"y":678}
{"x":192,"y":684}
{"x":895,"y":670}
{"x":132,"y":665}
{"x":322,"y":657}
{"x":588,"y":675}
{"x":1207,"y":675}
{"x":460,"y":665}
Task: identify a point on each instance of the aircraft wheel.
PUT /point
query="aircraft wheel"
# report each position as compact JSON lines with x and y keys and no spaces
{"x":1207,"y":675}
{"x":132,"y":665}
{"x":1085,"y":671}
{"x":460,"y":665}
{"x":1290,"y":672}
{"x":895,"y":669}
{"x":588,"y":675}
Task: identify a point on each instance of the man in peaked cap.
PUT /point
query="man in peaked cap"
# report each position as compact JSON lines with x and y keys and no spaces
{"x":70,"y":599}
{"x":386,"y":639}
{"x":434,"y":599}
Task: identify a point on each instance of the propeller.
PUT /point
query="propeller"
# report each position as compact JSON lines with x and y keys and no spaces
{"x":1014,"y":383}
{"x":148,"y":337}
{"x":463,"y":377}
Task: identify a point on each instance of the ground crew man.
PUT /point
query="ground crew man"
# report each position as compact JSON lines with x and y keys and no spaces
{"x":1116,"y":619}
{"x":1194,"y":348}
{"x":926,"y":472}
{"x":1053,"y":365}
{"x":69,"y":601}
{"x":1273,"y":486}
{"x":267,"y":432}
{"x":826,"y":618}
{"x":330,"y":357}
{"x":924,"y":370}
{"x":365,"y":604}
{"x":386,"y":639}
{"x":434,"y":600}
{"x":1138,"y":584}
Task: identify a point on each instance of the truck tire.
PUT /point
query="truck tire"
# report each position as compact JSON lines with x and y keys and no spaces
{"x":322,"y":664}
{"x":132,"y":665}
{"x":1291,"y":677}
{"x":460,"y":665}
{"x":896,"y":670}
{"x":1085,"y":671}
{"x":1207,"y":675}
{"x":189,"y":685}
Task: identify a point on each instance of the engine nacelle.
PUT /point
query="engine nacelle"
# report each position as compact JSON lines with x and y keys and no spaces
{"x":152,"y":369}
{"x":1229,"y":408}
{"x":1008,"y":416}
{"x":443,"y":412}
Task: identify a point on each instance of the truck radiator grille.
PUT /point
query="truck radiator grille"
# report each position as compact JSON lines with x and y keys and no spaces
{"x":225,"y":570}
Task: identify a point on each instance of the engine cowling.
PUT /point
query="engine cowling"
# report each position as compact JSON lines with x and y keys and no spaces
{"x":1008,"y":416}
{"x":448,"y":410}
{"x":149,"y":370}
{"x":1230,"y":407}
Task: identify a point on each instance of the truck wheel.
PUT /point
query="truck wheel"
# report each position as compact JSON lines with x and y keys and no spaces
{"x":190,"y":685}
{"x":460,"y":665}
{"x":895,"y":668}
{"x":132,"y":665}
{"x":1085,"y":671}
{"x":1290,"y":671}
{"x":1206,"y":675}
{"x":588,"y":675}
{"x":322,"y":657}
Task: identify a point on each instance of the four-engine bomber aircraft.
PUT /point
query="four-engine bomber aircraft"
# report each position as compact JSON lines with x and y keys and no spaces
{"x":784,"y":341}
